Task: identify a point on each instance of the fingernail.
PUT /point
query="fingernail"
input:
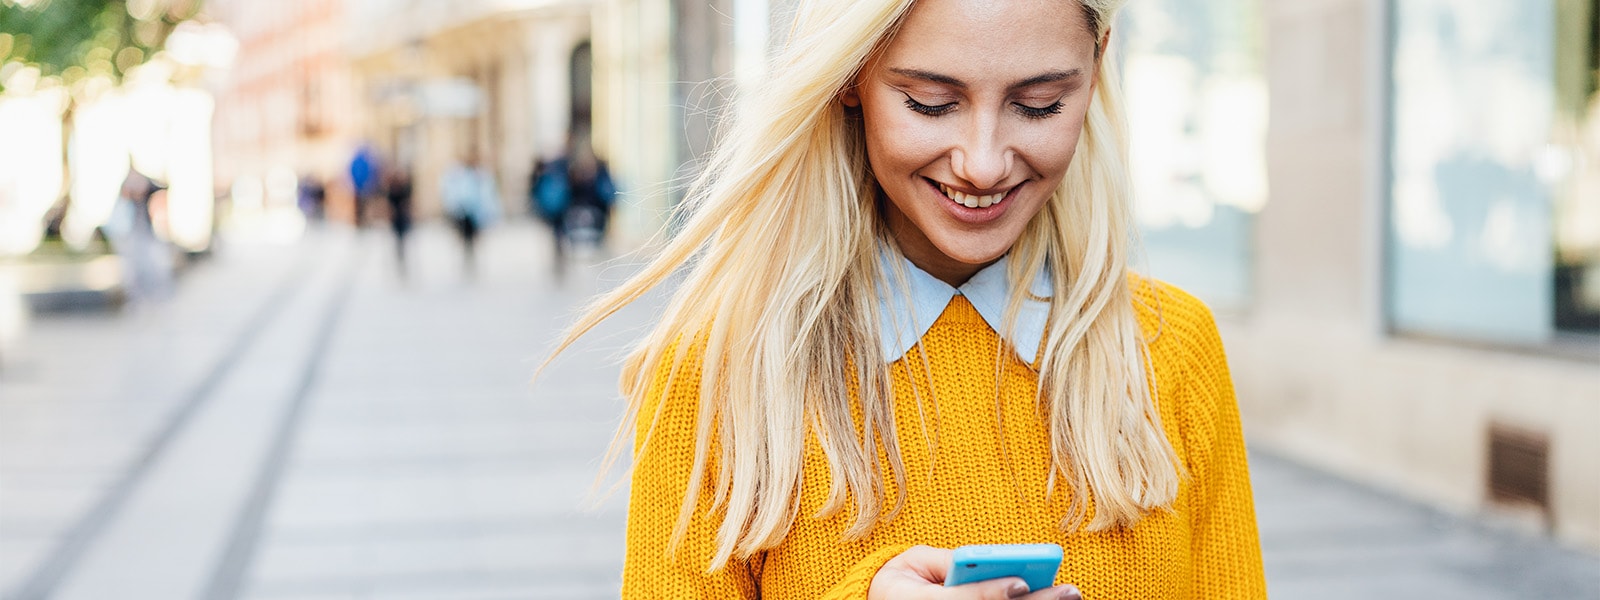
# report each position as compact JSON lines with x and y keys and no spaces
{"x":1017,"y":590}
{"x":1069,"y":592}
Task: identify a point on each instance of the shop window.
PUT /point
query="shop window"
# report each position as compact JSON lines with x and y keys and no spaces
{"x":1494,"y":200}
{"x":1197,"y":110}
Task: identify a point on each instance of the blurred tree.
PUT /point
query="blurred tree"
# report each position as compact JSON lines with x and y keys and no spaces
{"x":73,"y":39}
{"x":75,"y":42}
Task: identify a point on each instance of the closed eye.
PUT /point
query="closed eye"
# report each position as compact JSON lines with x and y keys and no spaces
{"x":1039,"y":112}
{"x":930,"y":110}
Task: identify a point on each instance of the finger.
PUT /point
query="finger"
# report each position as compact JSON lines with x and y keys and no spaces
{"x":1004,"y":588}
{"x":932,"y":564}
{"x":1060,"y":592}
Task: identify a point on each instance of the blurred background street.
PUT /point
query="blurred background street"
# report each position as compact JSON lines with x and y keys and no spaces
{"x":275,"y":278}
{"x":299,"y":422}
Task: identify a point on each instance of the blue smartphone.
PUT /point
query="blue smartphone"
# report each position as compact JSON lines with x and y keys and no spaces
{"x":1034,"y":563}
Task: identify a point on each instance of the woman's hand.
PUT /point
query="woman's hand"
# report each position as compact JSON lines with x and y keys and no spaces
{"x":920,"y":572}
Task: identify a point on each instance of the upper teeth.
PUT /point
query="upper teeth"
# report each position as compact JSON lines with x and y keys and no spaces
{"x":972,"y":201}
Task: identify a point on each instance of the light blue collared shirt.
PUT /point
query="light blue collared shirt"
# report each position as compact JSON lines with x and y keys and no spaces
{"x":989,"y":290}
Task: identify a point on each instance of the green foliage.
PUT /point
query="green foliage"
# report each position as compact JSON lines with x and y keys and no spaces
{"x":73,"y":39}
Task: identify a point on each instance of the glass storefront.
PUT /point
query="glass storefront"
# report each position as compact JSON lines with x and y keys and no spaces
{"x":1494,"y":208}
{"x":1197,"y":111}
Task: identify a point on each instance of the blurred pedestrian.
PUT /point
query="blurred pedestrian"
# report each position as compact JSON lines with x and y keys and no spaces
{"x":903,"y":320}
{"x":363,"y":180}
{"x":549,"y":197}
{"x":592,"y":192}
{"x":146,"y":260}
{"x":472,"y":202}
{"x":397,"y":189}
{"x":573,"y":195}
{"x":313,"y":198}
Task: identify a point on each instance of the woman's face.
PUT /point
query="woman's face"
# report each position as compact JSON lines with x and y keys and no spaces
{"x":972,"y":112}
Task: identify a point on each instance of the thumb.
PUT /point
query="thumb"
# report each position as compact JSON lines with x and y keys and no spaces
{"x":1004,"y":588}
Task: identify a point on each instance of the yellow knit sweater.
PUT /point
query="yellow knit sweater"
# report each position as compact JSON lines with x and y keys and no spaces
{"x":1206,"y":547}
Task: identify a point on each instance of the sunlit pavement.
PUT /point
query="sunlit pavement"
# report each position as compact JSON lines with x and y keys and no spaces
{"x":299,"y":422}
{"x":1323,"y":538}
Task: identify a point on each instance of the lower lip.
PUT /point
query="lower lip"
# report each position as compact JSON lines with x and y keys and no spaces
{"x":975,"y":216}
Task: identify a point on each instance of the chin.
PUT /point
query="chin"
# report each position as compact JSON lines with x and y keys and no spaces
{"x":978,"y":253}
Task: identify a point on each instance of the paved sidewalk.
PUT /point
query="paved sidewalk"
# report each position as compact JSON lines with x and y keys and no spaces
{"x":306,"y":424}
{"x":91,"y":403}
{"x":427,"y":466}
{"x":1323,"y":538}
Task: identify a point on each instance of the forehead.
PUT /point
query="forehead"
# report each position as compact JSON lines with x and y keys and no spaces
{"x":968,"y":38}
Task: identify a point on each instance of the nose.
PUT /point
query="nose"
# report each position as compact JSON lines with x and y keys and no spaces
{"x":982,"y":159}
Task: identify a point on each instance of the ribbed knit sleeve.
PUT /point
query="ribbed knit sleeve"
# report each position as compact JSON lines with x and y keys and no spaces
{"x":661,"y":471}
{"x":858,"y":579}
{"x":1226,"y":546}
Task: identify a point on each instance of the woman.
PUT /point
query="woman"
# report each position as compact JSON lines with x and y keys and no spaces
{"x":907,"y":324}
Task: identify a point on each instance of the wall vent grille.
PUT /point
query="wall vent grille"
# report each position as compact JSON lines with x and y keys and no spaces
{"x":1519,"y":468}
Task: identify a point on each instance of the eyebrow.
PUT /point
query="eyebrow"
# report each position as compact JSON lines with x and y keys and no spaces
{"x":1048,"y":77}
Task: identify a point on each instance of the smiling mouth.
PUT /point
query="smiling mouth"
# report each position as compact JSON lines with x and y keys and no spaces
{"x":968,"y":200}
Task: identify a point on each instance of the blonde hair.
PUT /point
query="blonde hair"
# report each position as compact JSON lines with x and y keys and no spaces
{"x":785,"y":319}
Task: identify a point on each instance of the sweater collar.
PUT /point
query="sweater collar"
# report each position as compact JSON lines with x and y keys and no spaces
{"x":910,"y":300}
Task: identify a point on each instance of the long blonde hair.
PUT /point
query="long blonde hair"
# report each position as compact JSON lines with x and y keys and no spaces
{"x":785,"y":319}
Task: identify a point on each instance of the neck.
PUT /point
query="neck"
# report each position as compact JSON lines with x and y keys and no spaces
{"x":922,"y":252}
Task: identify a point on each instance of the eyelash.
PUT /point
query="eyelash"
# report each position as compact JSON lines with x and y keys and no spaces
{"x":1039,"y":112}
{"x":932,"y":111}
{"x":1031,"y":112}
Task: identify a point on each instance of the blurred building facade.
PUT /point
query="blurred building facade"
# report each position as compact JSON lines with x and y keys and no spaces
{"x":665,"y":72}
{"x":1425,"y":309}
{"x":503,"y":81}
{"x":1415,"y":300}
{"x":287,"y":111}
{"x":423,"y":84}
{"x":1392,"y":205}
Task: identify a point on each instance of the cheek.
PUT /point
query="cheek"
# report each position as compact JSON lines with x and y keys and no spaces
{"x":897,"y":138}
{"x":1049,"y":151}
